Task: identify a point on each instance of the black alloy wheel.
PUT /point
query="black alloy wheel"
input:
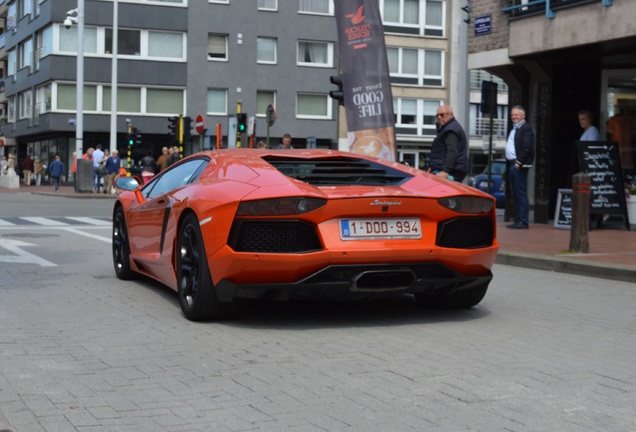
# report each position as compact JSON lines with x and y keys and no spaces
{"x":121,"y":247}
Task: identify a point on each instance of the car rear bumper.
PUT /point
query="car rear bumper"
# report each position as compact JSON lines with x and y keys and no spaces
{"x":358,"y":282}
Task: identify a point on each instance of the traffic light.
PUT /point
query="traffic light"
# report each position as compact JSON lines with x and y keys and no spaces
{"x":130,"y":138}
{"x":468,"y":9}
{"x":241,"y":122}
{"x":337,"y":94}
{"x":187,"y":128}
{"x":173,"y":126}
{"x":137,"y":136}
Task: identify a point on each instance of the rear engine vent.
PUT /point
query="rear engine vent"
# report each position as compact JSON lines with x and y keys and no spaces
{"x":273,"y":237}
{"x":338,"y":171}
{"x":466,"y":233}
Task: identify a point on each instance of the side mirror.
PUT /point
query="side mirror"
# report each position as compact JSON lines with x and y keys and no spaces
{"x":127,"y":183}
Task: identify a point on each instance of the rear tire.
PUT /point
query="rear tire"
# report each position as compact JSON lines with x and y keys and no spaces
{"x":195,"y":288}
{"x":463,"y":299}
{"x":121,"y":247}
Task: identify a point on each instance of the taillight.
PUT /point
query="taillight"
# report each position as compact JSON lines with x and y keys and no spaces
{"x":467,"y":204}
{"x":280,"y":206}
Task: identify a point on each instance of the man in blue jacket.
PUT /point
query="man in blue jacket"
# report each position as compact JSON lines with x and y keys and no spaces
{"x":519,"y":157}
{"x":449,"y":151}
{"x":56,"y":171}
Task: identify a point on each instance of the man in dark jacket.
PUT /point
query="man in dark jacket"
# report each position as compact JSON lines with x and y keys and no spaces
{"x":519,"y":157}
{"x":449,"y":152}
{"x":56,"y":171}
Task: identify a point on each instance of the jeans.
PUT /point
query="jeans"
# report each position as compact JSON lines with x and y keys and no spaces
{"x":519,"y":185}
{"x":97,"y":177}
{"x":56,"y":182}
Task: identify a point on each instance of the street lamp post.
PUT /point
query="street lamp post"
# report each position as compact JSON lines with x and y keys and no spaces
{"x":113,"y":85}
{"x":78,"y":18}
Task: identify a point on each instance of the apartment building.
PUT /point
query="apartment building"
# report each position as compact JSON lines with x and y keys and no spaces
{"x":212,"y":58}
{"x":559,"y":57}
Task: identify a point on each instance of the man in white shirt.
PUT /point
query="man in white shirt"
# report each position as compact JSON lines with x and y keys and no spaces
{"x":520,"y":156}
{"x":98,"y":155}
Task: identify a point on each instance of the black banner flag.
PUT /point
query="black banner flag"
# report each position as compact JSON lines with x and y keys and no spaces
{"x":365,"y":78}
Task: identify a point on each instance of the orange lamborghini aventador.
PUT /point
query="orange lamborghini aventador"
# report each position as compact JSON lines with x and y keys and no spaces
{"x":225,"y":226}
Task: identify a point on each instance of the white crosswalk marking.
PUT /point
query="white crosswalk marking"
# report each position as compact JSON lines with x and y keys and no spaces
{"x":44,"y":221}
{"x":4,"y":223}
{"x":90,"y":221}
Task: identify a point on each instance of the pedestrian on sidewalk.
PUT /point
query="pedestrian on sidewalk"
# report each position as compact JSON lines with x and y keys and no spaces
{"x":113,"y":164}
{"x":98,"y":156}
{"x":27,"y":170}
{"x":520,"y":157}
{"x":449,"y":151}
{"x":56,"y":171}
{"x":38,"y":169}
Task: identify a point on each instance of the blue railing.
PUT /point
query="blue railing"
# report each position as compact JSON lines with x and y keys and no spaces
{"x":535,"y":5}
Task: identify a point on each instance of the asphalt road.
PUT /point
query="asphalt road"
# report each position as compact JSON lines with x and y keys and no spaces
{"x":82,"y":351}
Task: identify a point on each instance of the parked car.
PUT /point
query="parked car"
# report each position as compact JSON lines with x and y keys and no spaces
{"x":498,"y":184}
{"x":226,"y":226}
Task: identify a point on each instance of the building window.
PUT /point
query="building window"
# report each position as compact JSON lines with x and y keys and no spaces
{"x":324,"y":7}
{"x":266,"y":50}
{"x":128,"y":42}
{"x":25,"y":53}
{"x":67,"y":99}
{"x":434,"y":20}
{"x":43,"y":99}
{"x":26,"y":8}
{"x":403,"y":65}
{"x":219,"y":1}
{"x":165,"y":45}
{"x":429,"y":113}
{"x":312,"y":106}
{"x":11,"y":110}
{"x":68,"y":40}
{"x":271,"y":5}
{"x":217,"y":101}
{"x":415,"y":17}
{"x":128,"y":99}
{"x":411,"y":66}
{"x":161,"y":101}
{"x":264,"y":98}
{"x":406,"y":113}
{"x":11,"y":66}
{"x":25,"y":104}
{"x":217,"y":46}
{"x":433,"y":68}
{"x":44,"y":44}
{"x":415,"y":116}
{"x":401,"y":12}
{"x":315,"y":53}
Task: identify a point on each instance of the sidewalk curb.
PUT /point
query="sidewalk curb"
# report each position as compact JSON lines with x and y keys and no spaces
{"x":80,"y":195}
{"x":563,"y":264}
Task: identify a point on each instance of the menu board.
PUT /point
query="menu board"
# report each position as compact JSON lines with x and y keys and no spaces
{"x":601,"y":161}
{"x":563,"y":212}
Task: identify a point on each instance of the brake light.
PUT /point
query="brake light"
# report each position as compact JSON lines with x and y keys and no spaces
{"x":280,"y":206}
{"x":467,"y":204}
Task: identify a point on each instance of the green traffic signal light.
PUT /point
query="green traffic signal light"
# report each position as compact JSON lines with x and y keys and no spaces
{"x":241,"y":122}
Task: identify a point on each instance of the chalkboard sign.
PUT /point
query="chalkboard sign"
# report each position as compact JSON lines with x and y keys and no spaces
{"x":601,"y":161}
{"x":563,"y":212}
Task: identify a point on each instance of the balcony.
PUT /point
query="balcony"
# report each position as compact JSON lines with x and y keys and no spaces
{"x":524,"y":8}
{"x":538,"y":26}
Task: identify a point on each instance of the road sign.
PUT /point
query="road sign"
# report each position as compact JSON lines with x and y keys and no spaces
{"x":199,"y":124}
